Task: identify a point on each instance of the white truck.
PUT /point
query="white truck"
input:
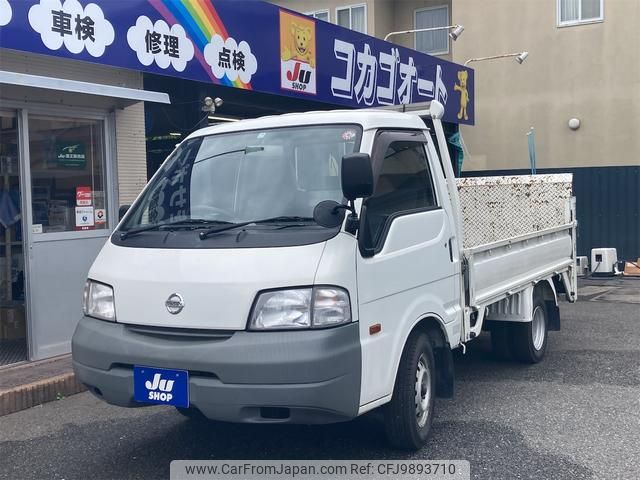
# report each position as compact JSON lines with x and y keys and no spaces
{"x":309,"y":268}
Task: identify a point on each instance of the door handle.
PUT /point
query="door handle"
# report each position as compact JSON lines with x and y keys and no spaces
{"x":450,"y":251}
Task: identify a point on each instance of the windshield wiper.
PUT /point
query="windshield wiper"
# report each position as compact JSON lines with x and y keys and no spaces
{"x":212,"y":231}
{"x":245,"y":150}
{"x":177,"y":223}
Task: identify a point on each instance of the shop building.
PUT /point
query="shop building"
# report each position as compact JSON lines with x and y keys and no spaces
{"x":94,"y":94}
{"x":577,"y":89}
{"x":67,"y":160}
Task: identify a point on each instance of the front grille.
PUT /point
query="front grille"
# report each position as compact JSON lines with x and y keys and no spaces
{"x":185,"y":333}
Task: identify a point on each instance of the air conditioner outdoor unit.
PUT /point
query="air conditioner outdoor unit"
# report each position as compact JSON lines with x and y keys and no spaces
{"x":603,"y":261}
{"x":582,"y":265}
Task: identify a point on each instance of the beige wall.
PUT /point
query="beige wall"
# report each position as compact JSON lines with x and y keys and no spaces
{"x":131,"y":149}
{"x":384,"y":18}
{"x":130,"y":126}
{"x":591,"y":72}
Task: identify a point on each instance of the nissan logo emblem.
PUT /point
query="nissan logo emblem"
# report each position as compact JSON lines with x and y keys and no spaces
{"x":174,"y":303}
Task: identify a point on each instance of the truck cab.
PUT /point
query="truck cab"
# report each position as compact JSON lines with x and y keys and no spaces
{"x":303,"y":268}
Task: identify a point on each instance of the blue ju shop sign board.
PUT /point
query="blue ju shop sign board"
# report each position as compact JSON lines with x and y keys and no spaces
{"x":244,"y":44}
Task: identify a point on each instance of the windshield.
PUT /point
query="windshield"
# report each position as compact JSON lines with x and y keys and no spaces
{"x":245,"y":176}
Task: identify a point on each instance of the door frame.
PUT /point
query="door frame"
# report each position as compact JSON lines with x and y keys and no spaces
{"x":23,"y":110}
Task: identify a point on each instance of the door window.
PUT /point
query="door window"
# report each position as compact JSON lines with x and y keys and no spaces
{"x":404,"y":186}
{"x":68,"y":181}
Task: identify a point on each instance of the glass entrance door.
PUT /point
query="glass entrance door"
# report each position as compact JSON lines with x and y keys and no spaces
{"x":67,"y":173}
{"x":13,"y":331}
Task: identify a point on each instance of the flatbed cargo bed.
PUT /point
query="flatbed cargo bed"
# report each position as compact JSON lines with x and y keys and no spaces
{"x":518,"y":231}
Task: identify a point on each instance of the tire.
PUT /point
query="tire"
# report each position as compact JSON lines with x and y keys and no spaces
{"x":500,"y":343}
{"x":407,"y":424}
{"x":529,"y":340}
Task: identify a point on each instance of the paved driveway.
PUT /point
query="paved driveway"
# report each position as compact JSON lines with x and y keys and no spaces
{"x":576,"y":415}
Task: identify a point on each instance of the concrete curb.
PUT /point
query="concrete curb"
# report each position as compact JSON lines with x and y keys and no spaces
{"x":37,"y":393}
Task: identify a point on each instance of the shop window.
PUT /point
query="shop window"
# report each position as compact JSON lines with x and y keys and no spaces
{"x":320,"y":15}
{"x":68,"y":186}
{"x":575,"y":12}
{"x":13,"y":331}
{"x":436,"y":42}
{"x":353,"y":17}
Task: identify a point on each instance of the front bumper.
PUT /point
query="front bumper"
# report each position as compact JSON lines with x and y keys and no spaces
{"x":233,"y":376}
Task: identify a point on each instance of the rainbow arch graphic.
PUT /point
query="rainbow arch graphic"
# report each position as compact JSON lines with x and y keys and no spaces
{"x":201,"y":22}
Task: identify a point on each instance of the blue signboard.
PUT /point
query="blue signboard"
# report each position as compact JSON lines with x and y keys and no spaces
{"x":162,"y":386}
{"x":245,"y":44}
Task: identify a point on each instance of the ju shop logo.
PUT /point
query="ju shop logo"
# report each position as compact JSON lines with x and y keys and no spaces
{"x":297,"y":53}
{"x":299,"y":76}
{"x":159,"y":388}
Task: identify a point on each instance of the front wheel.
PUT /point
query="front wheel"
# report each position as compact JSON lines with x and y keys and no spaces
{"x":529,"y":340}
{"x":409,"y":415}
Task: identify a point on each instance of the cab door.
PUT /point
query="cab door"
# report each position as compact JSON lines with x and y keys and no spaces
{"x":405,"y":268}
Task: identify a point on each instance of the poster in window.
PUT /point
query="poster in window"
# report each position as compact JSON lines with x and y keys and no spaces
{"x":84,"y":218}
{"x":70,"y":154}
{"x":100,"y":216}
{"x":83,"y":196}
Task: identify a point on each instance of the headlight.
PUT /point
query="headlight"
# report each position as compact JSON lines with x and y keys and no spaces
{"x":300,"y":308}
{"x":98,"y":301}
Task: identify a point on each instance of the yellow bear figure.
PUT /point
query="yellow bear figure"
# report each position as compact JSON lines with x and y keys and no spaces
{"x":464,"y":94}
{"x":302,"y":38}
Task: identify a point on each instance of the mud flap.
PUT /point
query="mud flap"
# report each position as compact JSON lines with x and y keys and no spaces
{"x":445,"y":374}
{"x":553,"y":312}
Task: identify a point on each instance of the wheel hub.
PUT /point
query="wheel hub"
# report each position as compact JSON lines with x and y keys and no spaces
{"x":423,"y":391}
{"x":537,"y":328}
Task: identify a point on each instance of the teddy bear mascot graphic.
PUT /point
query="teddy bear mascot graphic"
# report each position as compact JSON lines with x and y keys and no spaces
{"x":302,"y":40}
{"x":464,"y":94}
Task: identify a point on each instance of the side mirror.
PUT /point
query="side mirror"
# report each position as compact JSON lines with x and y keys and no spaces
{"x":122,"y":211}
{"x":329,"y":213}
{"x":357,"y":176}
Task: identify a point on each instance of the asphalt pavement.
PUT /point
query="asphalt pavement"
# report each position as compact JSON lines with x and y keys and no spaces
{"x":574,"y":416}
